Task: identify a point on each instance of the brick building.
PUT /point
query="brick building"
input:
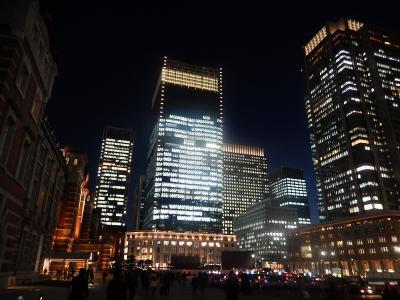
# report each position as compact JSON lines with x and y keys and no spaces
{"x":90,"y":221}
{"x":31,"y":165}
{"x":367,"y":245}
{"x":73,"y":200}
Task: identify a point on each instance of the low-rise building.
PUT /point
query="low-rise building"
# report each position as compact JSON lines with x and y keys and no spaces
{"x":162,"y":247}
{"x":263,"y":229}
{"x":367,"y":245}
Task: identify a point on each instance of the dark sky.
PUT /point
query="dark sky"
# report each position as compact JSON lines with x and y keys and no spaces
{"x":110,"y":55}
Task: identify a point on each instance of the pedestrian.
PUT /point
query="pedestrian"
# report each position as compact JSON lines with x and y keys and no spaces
{"x":195,"y":284}
{"x":91,"y":274}
{"x":165,"y":284}
{"x":203,"y":281}
{"x":389,"y":292}
{"x":145,"y":281}
{"x":332,"y":289}
{"x":116,"y":289}
{"x":304,"y":294}
{"x":343,"y":289}
{"x":105,"y":275}
{"x":231,"y":287}
{"x":153,"y":282}
{"x":45,"y":271}
{"x":184,"y":276}
{"x":131,"y":284}
{"x":79,"y":286}
{"x":245,"y":284}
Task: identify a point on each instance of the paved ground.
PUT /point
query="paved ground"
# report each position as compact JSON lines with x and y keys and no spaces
{"x":98,"y":292}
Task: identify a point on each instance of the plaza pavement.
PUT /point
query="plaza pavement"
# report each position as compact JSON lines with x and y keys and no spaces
{"x":98,"y":292}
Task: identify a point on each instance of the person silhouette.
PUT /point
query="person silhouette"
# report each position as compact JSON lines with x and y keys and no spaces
{"x":79,"y":286}
{"x":116,"y":289}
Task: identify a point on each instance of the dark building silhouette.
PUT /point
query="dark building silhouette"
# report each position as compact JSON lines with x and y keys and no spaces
{"x":138,"y":204}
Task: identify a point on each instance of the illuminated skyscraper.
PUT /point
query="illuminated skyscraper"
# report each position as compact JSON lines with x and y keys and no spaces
{"x":245,"y":181}
{"x":352,"y":86}
{"x":288,"y":189}
{"x":184,"y":175}
{"x":114,"y":174}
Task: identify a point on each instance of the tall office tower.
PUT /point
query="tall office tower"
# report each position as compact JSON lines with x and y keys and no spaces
{"x":113,"y":175}
{"x":73,"y":199}
{"x":288,"y":189}
{"x":245,"y":181}
{"x":184,"y":175}
{"x":352,"y":86}
{"x":138,"y":204}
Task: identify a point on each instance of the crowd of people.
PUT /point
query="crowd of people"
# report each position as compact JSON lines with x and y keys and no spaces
{"x":124,"y":285}
{"x":68,"y":274}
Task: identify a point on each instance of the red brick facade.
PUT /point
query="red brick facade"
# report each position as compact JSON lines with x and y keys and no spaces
{"x":72,"y":204}
{"x":31,"y":165}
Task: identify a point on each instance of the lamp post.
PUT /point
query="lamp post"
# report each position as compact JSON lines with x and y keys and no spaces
{"x":254,"y":256}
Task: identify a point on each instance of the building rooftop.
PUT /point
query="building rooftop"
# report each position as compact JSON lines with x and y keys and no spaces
{"x":331,"y":27}
{"x":351,"y":219}
{"x":243,"y":149}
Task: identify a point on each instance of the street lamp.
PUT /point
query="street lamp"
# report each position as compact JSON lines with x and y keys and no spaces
{"x":254,"y":256}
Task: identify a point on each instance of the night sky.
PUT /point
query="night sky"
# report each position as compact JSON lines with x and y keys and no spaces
{"x":110,"y":56}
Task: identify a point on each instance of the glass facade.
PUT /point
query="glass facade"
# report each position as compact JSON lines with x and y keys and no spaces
{"x":245,"y":181}
{"x":184,"y":175}
{"x":113,"y":175}
{"x":352,"y":83}
{"x":263,"y":229}
{"x":288,"y":189}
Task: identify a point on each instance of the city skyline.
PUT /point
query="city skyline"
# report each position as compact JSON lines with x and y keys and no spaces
{"x":179,"y":136}
{"x":247,"y":63}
